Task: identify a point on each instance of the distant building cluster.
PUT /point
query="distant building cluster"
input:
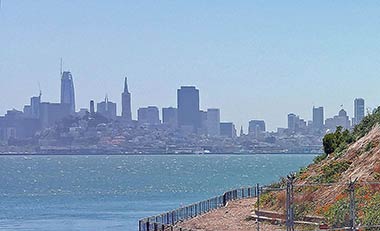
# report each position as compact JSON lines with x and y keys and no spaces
{"x":320,"y":126}
{"x":44,"y":126}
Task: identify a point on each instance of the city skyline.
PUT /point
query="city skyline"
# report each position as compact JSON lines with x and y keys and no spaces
{"x":213,"y":115}
{"x":283,"y":61}
{"x":188,"y":98}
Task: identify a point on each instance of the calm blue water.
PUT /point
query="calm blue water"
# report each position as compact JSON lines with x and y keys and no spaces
{"x":62,"y":193}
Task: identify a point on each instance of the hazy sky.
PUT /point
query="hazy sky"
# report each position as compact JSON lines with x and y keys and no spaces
{"x":252,"y":59}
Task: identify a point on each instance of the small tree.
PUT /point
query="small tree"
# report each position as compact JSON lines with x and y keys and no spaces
{"x":329,"y":143}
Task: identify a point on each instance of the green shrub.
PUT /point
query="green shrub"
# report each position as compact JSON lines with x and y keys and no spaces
{"x":367,"y":124}
{"x":329,"y":143}
{"x":268,"y":199}
{"x":302,"y":209}
{"x":332,"y":171}
{"x":338,"y":141}
{"x":371,"y":212}
{"x":376,"y":175}
{"x":338,"y":214}
{"x":319,"y":158}
{"x":368,"y":147}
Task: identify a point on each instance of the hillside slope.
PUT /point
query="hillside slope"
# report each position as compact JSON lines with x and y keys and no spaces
{"x":321,"y":188}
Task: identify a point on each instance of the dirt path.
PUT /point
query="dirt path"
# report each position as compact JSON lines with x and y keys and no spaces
{"x":233,"y":217}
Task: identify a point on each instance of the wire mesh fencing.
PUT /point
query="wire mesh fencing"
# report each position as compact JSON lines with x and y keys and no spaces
{"x":354,"y":205}
{"x":167,"y":221}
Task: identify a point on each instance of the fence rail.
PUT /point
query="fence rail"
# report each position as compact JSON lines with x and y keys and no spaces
{"x":166,"y":221}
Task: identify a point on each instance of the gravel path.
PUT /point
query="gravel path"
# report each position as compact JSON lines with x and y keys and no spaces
{"x":233,"y":217}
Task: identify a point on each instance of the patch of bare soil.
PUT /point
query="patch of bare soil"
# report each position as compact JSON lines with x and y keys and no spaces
{"x":235,"y":216}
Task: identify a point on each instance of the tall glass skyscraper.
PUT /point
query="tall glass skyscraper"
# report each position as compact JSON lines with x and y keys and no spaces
{"x":188,"y":107}
{"x":256,"y":127}
{"x":318,"y":119}
{"x":213,"y":122}
{"x":67,"y":91}
{"x":359,"y":109}
{"x":170,"y":116}
{"x":126,"y":112}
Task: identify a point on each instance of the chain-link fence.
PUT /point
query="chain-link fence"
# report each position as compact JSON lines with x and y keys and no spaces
{"x":166,"y":221}
{"x":354,"y":205}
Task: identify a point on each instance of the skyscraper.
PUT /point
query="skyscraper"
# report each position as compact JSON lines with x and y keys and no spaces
{"x":67,"y":91}
{"x":170,"y":116}
{"x":126,"y":112}
{"x":148,"y":115}
{"x":318,"y":119}
{"x":202,"y":129}
{"x":339,"y":120}
{"x":227,"y":129}
{"x":296,"y":124}
{"x":188,"y":107}
{"x":107,"y":109}
{"x":35,"y":102}
{"x":50,"y":113}
{"x":213,"y":122}
{"x":256,"y":127}
{"x":292,"y":122}
{"x":358,"y":111}
{"x":92,"y":107}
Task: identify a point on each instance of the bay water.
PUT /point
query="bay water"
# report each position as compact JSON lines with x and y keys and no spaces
{"x":99,"y":192}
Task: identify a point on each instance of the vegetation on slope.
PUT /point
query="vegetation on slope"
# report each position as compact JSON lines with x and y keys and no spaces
{"x":347,"y":155}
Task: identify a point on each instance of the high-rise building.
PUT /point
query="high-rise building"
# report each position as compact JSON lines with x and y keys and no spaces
{"x":35,"y":106}
{"x":92,"y":107}
{"x":296,"y":124}
{"x":107,"y":109}
{"x":27,"y":111}
{"x":359,"y":109}
{"x":126,"y":112}
{"x":16,"y":124}
{"x":148,"y":115}
{"x":170,"y":116}
{"x":202,"y":130}
{"x":32,"y":111}
{"x":318,"y":119}
{"x":292,"y":122}
{"x":188,"y":107}
{"x":256,"y":127}
{"x":50,"y":113}
{"x":213,"y":122}
{"x":227,"y":130}
{"x":341,"y":120}
{"x":67,"y":91}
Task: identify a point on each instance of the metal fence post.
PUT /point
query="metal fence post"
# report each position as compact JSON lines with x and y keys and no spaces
{"x":258,"y":206}
{"x":289,"y":203}
{"x":351,"y":189}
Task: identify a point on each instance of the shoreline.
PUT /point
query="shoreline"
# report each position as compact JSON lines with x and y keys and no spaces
{"x":152,"y":154}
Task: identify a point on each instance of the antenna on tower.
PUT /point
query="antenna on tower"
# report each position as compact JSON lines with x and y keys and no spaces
{"x":61,"y":64}
{"x":39,"y":89}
